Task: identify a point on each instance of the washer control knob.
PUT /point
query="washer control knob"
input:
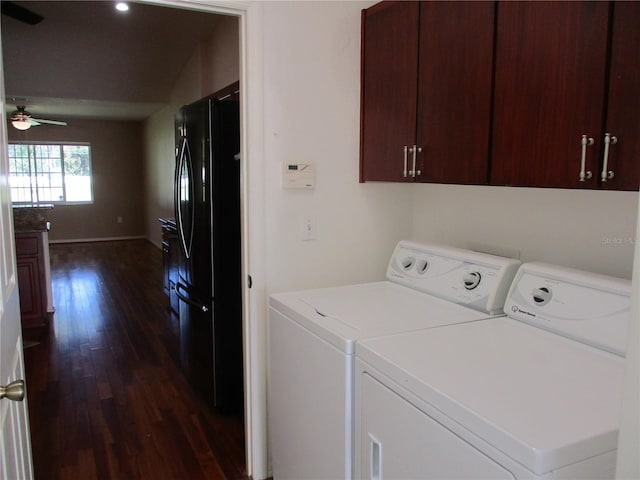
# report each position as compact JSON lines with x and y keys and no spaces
{"x":471,"y":280}
{"x":407,"y":263}
{"x":422,"y":266}
{"x":541,"y":296}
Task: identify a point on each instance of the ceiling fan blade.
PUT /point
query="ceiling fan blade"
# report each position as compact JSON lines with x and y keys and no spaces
{"x":21,"y":14}
{"x":49,"y":122}
{"x":33,"y":121}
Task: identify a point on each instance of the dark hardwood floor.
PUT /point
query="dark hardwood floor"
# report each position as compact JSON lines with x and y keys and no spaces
{"x":106,"y":397}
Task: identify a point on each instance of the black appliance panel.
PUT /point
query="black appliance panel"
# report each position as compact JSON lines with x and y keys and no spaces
{"x":208,"y":195}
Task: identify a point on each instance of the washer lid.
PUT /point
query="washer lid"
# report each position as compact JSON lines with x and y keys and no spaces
{"x":543,"y":399}
{"x":342,"y":315}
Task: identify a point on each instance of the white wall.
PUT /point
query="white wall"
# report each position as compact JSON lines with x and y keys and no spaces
{"x":628,"y":464}
{"x":590,"y":230}
{"x":311,"y":54}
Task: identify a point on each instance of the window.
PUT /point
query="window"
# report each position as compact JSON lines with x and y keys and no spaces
{"x":50,"y":173}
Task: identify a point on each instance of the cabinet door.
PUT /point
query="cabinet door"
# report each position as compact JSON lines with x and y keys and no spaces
{"x":549,"y":90}
{"x":623,"y":113}
{"x":454,"y":91}
{"x":32,"y":306}
{"x":388,"y":89}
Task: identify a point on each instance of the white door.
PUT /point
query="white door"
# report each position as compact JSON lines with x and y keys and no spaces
{"x":15,"y":443}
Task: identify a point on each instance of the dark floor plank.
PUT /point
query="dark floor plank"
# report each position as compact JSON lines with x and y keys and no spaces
{"x":107,"y":399}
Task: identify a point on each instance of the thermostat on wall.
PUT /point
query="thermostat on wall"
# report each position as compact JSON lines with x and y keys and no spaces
{"x":298,"y":175}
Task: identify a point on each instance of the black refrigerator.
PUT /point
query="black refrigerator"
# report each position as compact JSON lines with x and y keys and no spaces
{"x":207,"y":209}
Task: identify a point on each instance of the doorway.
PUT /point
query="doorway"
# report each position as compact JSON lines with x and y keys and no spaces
{"x":207,"y":10}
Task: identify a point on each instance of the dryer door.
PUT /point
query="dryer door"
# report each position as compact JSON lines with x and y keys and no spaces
{"x":399,"y":441}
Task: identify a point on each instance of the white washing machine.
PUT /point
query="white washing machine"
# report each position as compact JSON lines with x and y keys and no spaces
{"x":533,"y":395}
{"x":312,"y":337}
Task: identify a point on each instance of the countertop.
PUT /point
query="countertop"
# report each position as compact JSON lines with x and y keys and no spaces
{"x":167,"y":221}
{"x":31,"y":218}
{"x":169,"y":224}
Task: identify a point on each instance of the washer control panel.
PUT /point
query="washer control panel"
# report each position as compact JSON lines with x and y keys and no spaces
{"x":590,"y":308}
{"x":473,"y":279}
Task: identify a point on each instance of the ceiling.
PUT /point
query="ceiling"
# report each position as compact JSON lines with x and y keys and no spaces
{"x":85,"y":59}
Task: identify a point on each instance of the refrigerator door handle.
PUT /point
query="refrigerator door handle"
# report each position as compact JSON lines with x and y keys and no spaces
{"x":183,"y":193}
{"x":202,"y":307}
{"x":176,"y":193}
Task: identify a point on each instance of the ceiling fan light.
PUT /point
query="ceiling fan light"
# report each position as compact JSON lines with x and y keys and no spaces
{"x":21,"y":124}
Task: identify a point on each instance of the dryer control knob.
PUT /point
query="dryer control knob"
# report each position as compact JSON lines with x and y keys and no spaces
{"x":541,"y":296}
{"x":471,"y":280}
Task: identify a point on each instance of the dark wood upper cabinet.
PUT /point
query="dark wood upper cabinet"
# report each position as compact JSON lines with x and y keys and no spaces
{"x":549,"y":84}
{"x":388,"y":88}
{"x":557,"y":81}
{"x":426,"y":91}
{"x":454,"y":91}
{"x":623,"y":112}
{"x":520,"y":93}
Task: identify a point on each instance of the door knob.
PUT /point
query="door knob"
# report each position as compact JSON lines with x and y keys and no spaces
{"x":14,"y":391}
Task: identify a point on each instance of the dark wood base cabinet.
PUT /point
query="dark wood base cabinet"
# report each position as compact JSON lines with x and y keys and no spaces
{"x":32,"y":278}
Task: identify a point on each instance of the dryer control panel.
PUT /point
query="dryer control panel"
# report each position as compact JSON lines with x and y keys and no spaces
{"x":476,"y":280}
{"x":587,"y":307}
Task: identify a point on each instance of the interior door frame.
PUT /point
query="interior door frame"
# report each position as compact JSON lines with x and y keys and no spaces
{"x":254,"y":296}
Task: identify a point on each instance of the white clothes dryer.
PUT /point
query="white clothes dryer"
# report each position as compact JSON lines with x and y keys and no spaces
{"x":312,"y":338}
{"x":533,"y":395}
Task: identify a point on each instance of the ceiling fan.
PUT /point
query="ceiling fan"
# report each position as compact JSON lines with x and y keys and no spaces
{"x":22,"y":120}
{"x":13,"y":10}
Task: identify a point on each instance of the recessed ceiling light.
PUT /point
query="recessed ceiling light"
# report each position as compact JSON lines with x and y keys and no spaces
{"x":122,"y":7}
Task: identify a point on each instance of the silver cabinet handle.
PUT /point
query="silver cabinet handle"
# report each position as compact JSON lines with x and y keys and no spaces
{"x":585,"y":174}
{"x":414,"y":151}
{"x":14,"y":391}
{"x":608,"y":140}
{"x":406,"y":154}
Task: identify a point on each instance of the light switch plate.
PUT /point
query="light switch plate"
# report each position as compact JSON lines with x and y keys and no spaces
{"x":308,"y":228}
